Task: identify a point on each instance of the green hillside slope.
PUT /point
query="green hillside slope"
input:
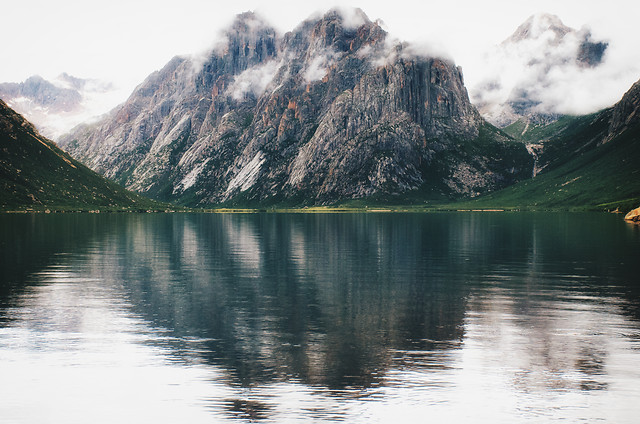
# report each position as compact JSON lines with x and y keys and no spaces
{"x":36,"y":174}
{"x":604,"y":178}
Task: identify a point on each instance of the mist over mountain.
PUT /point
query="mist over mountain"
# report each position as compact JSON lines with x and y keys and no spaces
{"x":332,"y":110}
{"x":56,"y":106}
{"x":546,"y":69}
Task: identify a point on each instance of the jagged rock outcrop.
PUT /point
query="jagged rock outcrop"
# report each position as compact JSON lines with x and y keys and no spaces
{"x":332,"y":110}
{"x":633,"y":216}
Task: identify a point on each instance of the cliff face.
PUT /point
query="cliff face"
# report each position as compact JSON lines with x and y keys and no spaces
{"x":329,"y":111}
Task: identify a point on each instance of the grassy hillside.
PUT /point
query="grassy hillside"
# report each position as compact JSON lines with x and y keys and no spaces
{"x":36,"y":175}
{"x":605,"y":177}
{"x":531,"y":133}
{"x":585,"y":163}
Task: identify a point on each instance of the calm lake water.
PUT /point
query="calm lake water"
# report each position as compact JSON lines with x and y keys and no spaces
{"x":277,"y":318}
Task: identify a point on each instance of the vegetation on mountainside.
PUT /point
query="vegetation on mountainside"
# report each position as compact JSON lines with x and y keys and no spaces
{"x":606,"y":177}
{"x":36,"y":175}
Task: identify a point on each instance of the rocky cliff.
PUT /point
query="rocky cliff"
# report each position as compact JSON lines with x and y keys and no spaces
{"x":332,"y":110}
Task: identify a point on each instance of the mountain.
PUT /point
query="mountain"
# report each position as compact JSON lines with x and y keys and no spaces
{"x":331,"y":110}
{"x":588,"y":162}
{"x":56,"y":106}
{"x":35,"y":174}
{"x":527,"y":74}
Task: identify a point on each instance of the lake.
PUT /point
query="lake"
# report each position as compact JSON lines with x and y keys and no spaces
{"x":278,"y":318}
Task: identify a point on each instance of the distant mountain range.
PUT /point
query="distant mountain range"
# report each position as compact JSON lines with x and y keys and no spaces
{"x":35,"y":174}
{"x":56,"y":106}
{"x":332,"y":110}
{"x":523,"y":76}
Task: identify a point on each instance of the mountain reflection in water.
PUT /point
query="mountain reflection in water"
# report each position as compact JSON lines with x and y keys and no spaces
{"x":356,"y":317}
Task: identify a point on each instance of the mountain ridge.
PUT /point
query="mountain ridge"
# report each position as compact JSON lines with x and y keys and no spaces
{"x":328,"y":111}
{"x":56,"y":106}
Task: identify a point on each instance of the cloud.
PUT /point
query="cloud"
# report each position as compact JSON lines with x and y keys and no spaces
{"x":253,"y":80}
{"x":319,"y":65}
{"x":352,"y":18}
{"x":382,"y":54}
{"x":393,"y":49}
{"x":425,"y":50}
{"x":545,"y":72}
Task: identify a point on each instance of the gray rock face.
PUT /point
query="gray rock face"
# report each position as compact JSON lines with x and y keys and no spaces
{"x":626,"y":113}
{"x":329,"y":111}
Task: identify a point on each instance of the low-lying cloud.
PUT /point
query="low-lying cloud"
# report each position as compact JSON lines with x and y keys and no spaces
{"x":548,"y":68}
{"x":319,"y":65}
{"x":253,"y":81}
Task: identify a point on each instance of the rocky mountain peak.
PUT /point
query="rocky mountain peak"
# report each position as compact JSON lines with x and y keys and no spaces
{"x":328,"y":111}
{"x":339,"y":29}
{"x":548,"y":30}
{"x":347,"y":20}
{"x":247,"y":41}
{"x":248,"y":21}
{"x":538,"y":25}
{"x":249,"y":25}
{"x":43,"y":93}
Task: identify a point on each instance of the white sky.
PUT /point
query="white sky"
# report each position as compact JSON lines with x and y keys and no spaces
{"x":125,"y":40}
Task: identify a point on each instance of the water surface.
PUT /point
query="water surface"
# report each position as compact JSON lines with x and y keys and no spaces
{"x":363,"y":318}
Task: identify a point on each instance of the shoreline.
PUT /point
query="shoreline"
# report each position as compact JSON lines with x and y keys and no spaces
{"x":304,"y":210}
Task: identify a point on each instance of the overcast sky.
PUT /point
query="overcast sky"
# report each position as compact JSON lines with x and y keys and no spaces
{"x":125,"y":40}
